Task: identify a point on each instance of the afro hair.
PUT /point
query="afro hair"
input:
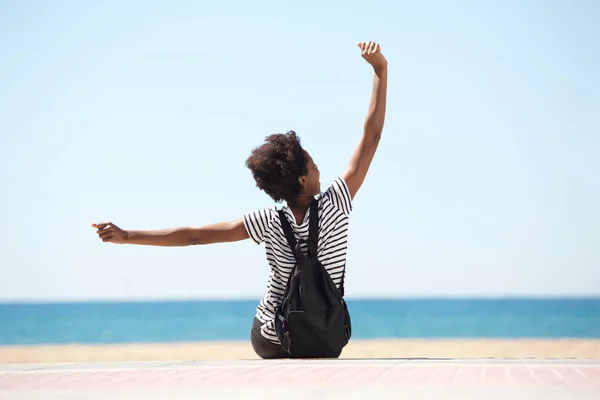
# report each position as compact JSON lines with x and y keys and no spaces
{"x":277,"y":164}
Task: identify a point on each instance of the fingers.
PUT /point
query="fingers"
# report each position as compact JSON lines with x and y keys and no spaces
{"x":369,"y":48}
{"x":105,"y":231}
{"x":104,"y":225}
{"x":372,"y":47}
{"x":101,"y":225}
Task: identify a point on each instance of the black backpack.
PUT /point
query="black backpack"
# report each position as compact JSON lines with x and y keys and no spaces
{"x":312,"y":320}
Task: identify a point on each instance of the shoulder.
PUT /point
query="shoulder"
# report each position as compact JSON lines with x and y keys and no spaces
{"x":258,"y":222}
{"x":338,"y":194}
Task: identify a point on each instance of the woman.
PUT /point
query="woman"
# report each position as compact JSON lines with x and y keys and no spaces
{"x":286,"y":172}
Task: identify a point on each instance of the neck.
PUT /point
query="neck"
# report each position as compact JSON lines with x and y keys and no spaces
{"x":300,"y":203}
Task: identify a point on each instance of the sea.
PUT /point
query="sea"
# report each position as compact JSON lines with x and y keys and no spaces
{"x":230,"y":320}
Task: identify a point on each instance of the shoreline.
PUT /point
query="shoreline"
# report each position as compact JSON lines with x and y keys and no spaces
{"x":358,"y":348}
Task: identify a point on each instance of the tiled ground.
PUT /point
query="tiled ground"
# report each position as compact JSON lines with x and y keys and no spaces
{"x":317,"y":379}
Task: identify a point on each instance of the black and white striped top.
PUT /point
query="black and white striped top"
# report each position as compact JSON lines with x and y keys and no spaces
{"x":264,"y":226}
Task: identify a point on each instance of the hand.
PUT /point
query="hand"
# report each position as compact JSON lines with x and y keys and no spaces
{"x":110,"y":233}
{"x":371,"y":52}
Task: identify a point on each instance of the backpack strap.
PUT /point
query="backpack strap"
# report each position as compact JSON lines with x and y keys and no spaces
{"x":313,"y":228}
{"x":289,"y":234}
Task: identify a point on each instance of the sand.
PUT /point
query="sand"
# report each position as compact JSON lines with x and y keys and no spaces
{"x":529,"y":348}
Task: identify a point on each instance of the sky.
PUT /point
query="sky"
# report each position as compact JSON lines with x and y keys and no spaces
{"x":143,"y":113}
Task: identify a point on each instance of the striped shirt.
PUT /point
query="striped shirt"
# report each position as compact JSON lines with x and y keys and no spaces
{"x":264,"y":226}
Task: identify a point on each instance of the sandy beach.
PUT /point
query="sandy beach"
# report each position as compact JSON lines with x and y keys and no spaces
{"x":460,"y":348}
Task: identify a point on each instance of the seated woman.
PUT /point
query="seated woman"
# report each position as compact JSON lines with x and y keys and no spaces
{"x":286,"y":172}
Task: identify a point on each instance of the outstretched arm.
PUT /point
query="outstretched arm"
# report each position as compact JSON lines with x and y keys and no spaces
{"x":373,"y":127}
{"x":232,"y":231}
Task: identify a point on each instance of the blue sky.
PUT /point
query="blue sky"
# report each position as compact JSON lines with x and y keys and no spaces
{"x":143,"y":113}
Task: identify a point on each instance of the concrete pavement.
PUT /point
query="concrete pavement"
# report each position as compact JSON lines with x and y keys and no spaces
{"x":307,"y":379}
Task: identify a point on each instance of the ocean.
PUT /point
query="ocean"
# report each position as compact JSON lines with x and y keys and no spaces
{"x":146,"y":322}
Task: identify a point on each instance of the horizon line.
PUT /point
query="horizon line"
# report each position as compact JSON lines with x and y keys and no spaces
{"x":257,"y":298}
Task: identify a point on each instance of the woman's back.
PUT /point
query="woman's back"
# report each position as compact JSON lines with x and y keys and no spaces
{"x":264,"y":226}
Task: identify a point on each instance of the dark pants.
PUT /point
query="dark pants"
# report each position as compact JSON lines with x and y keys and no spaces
{"x":262,"y":347}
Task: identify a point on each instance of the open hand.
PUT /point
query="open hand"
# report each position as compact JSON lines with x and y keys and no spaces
{"x":111,"y":233}
{"x":371,"y":52}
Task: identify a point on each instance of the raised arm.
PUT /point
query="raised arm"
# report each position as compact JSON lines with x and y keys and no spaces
{"x":232,"y":231}
{"x":373,"y":127}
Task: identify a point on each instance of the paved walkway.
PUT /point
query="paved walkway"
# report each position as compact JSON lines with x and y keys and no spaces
{"x":316,"y":379}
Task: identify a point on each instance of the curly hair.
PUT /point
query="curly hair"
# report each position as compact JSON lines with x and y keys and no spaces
{"x":277,"y":164}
